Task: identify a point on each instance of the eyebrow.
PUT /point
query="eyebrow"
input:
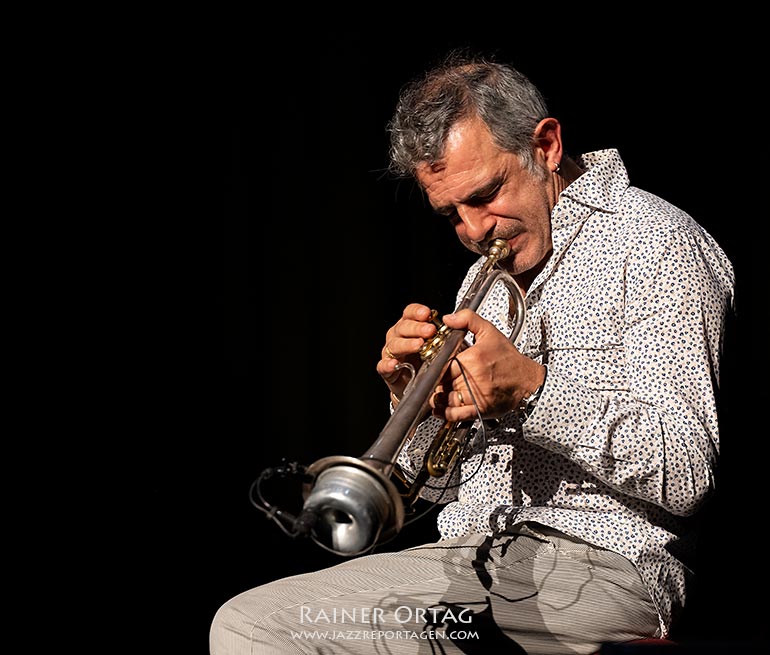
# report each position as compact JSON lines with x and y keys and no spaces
{"x":481,"y":192}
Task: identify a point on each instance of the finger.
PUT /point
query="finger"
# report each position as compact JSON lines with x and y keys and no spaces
{"x":414,"y":323}
{"x":414,"y":330}
{"x":386,"y":367}
{"x":456,"y":414}
{"x":417,"y":312}
{"x":467,"y":319}
{"x":400,"y":348}
{"x":439,"y":400}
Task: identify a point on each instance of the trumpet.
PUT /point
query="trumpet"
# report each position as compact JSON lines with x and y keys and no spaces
{"x":351,"y":504}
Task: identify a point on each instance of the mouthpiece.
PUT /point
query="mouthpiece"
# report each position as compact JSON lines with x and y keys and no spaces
{"x":498,"y":248}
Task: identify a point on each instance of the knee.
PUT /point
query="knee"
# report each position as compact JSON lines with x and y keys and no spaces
{"x":232,"y":631}
{"x":239,"y":627}
{"x":226,"y":631}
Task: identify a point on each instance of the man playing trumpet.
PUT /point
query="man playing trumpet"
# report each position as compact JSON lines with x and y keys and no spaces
{"x":566,"y":521}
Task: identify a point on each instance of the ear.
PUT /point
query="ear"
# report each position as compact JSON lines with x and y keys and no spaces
{"x":548,"y":142}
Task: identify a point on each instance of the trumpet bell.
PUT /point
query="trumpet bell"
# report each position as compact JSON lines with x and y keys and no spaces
{"x":356,"y":505}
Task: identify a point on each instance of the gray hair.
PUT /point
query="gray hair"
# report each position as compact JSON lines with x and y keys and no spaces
{"x":462,"y":87}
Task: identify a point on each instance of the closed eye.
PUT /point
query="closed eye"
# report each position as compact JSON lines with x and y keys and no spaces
{"x":478,"y":198}
{"x":478,"y":201}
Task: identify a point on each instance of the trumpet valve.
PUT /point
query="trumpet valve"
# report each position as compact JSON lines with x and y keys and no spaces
{"x":430,"y":348}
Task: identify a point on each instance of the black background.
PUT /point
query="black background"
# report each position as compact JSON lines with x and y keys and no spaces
{"x":308,"y":253}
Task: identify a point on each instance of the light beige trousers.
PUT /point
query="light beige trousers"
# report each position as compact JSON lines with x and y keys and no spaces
{"x":534,"y":591}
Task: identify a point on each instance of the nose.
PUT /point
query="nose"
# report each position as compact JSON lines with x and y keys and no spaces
{"x":479,"y":224}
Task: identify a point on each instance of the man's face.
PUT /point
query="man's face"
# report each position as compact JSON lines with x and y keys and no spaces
{"x":486,"y":194}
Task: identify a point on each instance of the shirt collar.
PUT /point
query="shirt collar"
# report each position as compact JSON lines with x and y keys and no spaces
{"x":602,"y":184}
{"x":600,"y":187}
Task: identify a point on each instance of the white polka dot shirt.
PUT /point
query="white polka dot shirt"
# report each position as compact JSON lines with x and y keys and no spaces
{"x":628,"y":315}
